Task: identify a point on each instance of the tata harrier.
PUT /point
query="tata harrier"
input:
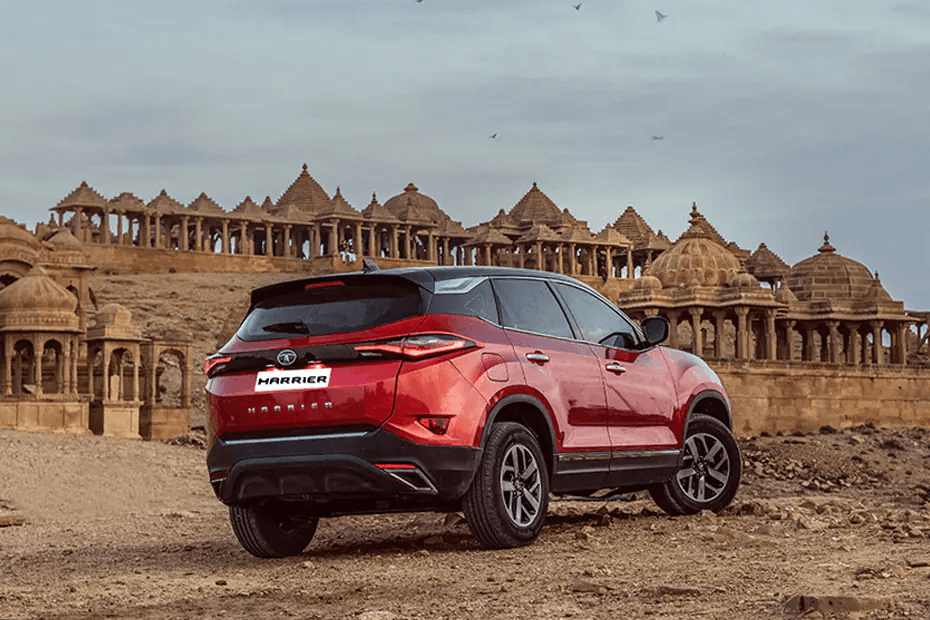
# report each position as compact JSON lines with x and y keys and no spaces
{"x":475,"y":389}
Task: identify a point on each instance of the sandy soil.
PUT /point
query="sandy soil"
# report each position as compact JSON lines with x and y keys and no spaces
{"x":113,"y":528}
{"x":127,"y":529}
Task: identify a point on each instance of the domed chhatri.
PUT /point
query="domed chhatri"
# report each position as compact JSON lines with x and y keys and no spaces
{"x":696,"y":258}
{"x":828,"y":275}
{"x":412,"y":205}
{"x":36,"y":292}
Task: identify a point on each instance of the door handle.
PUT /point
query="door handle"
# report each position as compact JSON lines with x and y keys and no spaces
{"x":617,"y":368}
{"x":542,"y":358}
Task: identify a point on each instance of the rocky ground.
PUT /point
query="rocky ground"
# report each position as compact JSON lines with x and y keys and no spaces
{"x":833,"y":525}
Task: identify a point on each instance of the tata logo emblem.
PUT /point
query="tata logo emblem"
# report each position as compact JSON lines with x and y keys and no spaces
{"x":287,"y":357}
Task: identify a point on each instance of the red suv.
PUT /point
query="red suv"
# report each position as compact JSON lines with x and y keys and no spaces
{"x":477,"y":389}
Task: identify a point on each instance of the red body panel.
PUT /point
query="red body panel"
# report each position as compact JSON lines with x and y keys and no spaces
{"x":641,"y":399}
{"x":570,"y":385}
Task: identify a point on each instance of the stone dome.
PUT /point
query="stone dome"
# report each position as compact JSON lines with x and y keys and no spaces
{"x":828,"y":275}
{"x":696,"y":259}
{"x":647,"y":283}
{"x":10,"y":230}
{"x":743,"y":279}
{"x":35,"y":302}
{"x":412,"y":205}
{"x":112,"y":321}
{"x":113,"y":315}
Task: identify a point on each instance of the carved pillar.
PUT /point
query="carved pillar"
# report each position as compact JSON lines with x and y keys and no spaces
{"x":608,"y":262}
{"x":79,"y":224}
{"x":487,"y":254}
{"x":332,"y":245}
{"x":287,"y":251}
{"x":742,"y":333}
{"x":719,"y":322}
{"x":770,"y":337}
{"x":7,"y":365}
{"x":629,"y":263}
{"x":835,"y":347}
{"x":878,"y":351}
{"x":673,"y":330}
{"x":185,"y":233}
{"x":854,"y":347}
{"x":697,"y":337}
{"x":395,"y":250}
{"x":357,"y":245}
{"x":900,"y":350}
{"x":158,"y":230}
{"x":561,"y":250}
{"x":225,"y":237}
{"x":105,"y":227}
{"x":571,"y":259}
{"x":75,"y":344}
{"x":39,"y":348}
{"x":789,"y":340}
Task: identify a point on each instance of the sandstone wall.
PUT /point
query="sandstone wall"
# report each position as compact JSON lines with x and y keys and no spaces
{"x":773,"y":397}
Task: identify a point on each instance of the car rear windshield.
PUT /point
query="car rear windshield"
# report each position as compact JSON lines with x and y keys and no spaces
{"x":331,"y":307}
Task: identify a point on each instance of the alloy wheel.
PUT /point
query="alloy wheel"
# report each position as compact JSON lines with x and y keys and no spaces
{"x":520,"y":484}
{"x":706,"y":468}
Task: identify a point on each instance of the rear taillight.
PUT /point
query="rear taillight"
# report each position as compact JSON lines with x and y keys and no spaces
{"x":415,"y":347}
{"x":213,"y":361}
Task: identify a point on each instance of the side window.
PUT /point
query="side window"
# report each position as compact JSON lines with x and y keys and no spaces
{"x":530,"y":306}
{"x":597,"y":319}
{"x":465,"y":297}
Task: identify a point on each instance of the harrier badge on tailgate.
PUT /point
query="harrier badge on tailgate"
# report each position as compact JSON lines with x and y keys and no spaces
{"x":277,"y":380}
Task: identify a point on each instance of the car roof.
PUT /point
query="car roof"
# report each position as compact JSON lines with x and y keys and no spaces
{"x":422,"y":276}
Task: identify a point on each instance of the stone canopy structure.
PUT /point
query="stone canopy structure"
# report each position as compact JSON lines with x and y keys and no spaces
{"x":68,"y":364}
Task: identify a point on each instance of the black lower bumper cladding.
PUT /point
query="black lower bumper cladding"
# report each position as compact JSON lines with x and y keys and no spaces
{"x":341,"y":473}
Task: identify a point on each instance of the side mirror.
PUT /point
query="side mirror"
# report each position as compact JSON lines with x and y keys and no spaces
{"x":656,"y":329}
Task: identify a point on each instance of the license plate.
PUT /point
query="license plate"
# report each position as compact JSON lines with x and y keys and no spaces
{"x":304,"y":379}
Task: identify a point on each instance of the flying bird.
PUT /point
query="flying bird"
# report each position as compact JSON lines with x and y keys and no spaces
{"x":493,"y":136}
{"x":577,"y":6}
{"x":659,"y":16}
{"x":654,"y":138}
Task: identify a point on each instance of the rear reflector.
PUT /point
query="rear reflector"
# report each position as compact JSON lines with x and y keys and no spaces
{"x":435,"y":424}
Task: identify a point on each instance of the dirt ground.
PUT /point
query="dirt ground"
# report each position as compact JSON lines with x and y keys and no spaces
{"x":116,"y":528}
{"x":90,"y":527}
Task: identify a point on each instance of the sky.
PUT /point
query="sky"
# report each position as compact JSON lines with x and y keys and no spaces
{"x":781,"y":120}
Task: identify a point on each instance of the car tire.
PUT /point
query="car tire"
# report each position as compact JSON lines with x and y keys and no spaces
{"x":508,"y":499}
{"x":270,"y":530}
{"x":710,"y":470}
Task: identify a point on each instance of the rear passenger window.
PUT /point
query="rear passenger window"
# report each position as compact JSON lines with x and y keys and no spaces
{"x":465,"y":297}
{"x":529,"y":305}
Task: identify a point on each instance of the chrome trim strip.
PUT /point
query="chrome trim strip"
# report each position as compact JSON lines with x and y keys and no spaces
{"x":258,"y":440}
{"x":641,"y":453}
{"x":584,"y":456}
{"x":595,"y":456}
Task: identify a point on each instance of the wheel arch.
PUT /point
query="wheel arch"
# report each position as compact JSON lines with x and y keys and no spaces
{"x":531,"y":413}
{"x":711,"y":403}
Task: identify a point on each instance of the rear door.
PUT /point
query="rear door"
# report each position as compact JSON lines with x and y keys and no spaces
{"x":298,"y":360}
{"x":562,"y":370}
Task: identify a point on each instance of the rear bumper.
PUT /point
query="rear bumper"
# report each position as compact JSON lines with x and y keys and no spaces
{"x":339,"y":473}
